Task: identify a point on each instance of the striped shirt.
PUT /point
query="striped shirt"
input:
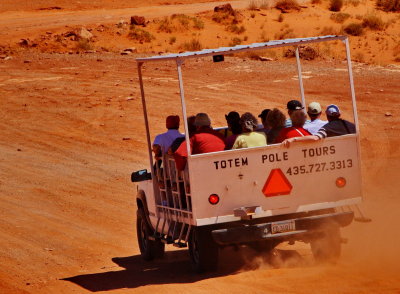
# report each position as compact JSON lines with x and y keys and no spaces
{"x":337,"y":127}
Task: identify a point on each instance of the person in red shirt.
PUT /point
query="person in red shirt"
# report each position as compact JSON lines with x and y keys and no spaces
{"x":205,"y":140}
{"x":298,"y":118}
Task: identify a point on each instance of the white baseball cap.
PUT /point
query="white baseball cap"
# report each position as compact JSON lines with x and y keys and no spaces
{"x":314,"y":108}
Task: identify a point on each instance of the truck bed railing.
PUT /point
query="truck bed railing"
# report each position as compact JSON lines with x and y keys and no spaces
{"x":174,"y":205}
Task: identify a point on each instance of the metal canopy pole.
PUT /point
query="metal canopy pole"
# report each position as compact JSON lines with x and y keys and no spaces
{"x":179,"y":63}
{"x":146,"y":121}
{"x":303,"y":99}
{"x":353,"y":94}
{"x":353,"y":98}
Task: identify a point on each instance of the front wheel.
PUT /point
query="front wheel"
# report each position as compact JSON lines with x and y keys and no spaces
{"x":327,"y":247}
{"x":203,"y":250}
{"x":149,"y":249}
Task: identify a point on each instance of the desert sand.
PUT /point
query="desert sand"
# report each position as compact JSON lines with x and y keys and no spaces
{"x":72,"y":132}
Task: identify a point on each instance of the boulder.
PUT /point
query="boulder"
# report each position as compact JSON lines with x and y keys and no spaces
{"x":83,"y":33}
{"x":305,"y":52}
{"x":25,"y":43}
{"x":227,"y":8}
{"x":263,"y":58}
{"x":131,"y":50}
{"x":138,"y":20}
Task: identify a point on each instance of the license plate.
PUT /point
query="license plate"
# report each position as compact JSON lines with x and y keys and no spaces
{"x":282,"y":227}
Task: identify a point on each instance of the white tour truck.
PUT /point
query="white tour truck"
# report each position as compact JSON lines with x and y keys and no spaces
{"x":258,"y":196}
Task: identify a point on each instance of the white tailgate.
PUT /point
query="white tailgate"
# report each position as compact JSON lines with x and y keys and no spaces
{"x":239,"y":178}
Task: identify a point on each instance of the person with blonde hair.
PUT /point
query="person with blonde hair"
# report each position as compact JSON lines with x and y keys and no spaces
{"x":298,"y":118}
{"x":276,"y":121}
{"x":249,"y":138}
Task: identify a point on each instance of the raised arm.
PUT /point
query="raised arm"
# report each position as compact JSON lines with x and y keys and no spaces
{"x":289,"y":141}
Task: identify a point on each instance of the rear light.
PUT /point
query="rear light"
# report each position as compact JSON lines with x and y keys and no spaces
{"x":213,"y":199}
{"x":340,"y":182}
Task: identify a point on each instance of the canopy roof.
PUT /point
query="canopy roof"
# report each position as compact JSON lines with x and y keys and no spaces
{"x":241,"y":48}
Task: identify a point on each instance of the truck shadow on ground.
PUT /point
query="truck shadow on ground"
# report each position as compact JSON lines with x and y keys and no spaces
{"x":175,"y":268}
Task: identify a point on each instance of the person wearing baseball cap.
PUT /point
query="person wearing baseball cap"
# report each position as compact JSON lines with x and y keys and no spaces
{"x":232,"y":120}
{"x":263,"y":127}
{"x":292,"y":106}
{"x":314,"y":111}
{"x":336,"y":126}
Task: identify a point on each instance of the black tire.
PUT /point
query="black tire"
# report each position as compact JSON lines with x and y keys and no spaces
{"x":203,"y":250}
{"x":149,"y":249}
{"x":327,"y":247}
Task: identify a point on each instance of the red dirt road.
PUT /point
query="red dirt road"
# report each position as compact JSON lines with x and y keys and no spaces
{"x":17,"y":24}
{"x":67,"y":205}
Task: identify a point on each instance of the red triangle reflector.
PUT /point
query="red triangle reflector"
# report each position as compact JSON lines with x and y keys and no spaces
{"x":277,"y":184}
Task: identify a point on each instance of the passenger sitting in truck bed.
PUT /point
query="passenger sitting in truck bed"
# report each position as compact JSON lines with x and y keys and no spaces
{"x":314,"y":112}
{"x":249,"y":138}
{"x":335,"y":127}
{"x":298,"y":118}
{"x":163,"y":141}
{"x":276,"y":121}
{"x":292,"y":106}
{"x":235,"y":129}
{"x":264,"y":127}
{"x":232,"y":119}
{"x":203,"y":141}
{"x":232,"y":138}
{"x":178,"y":141}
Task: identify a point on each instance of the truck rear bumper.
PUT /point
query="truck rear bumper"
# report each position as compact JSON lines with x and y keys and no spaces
{"x":300,"y":228}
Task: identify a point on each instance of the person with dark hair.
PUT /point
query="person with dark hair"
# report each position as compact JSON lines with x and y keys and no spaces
{"x":298,"y":118}
{"x":232,"y":119}
{"x":264,"y":127}
{"x":205,"y":140}
{"x":163,"y":141}
{"x":276,"y":121}
{"x":249,"y":138}
{"x":335,"y":127}
{"x":314,"y":112}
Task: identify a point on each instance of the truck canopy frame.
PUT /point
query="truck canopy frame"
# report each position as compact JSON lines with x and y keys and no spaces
{"x":181,"y":57}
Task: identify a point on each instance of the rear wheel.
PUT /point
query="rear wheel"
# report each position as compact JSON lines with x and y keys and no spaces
{"x":203,"y":250}
{"x":149,"y":249}
{"x":327,"y":248}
